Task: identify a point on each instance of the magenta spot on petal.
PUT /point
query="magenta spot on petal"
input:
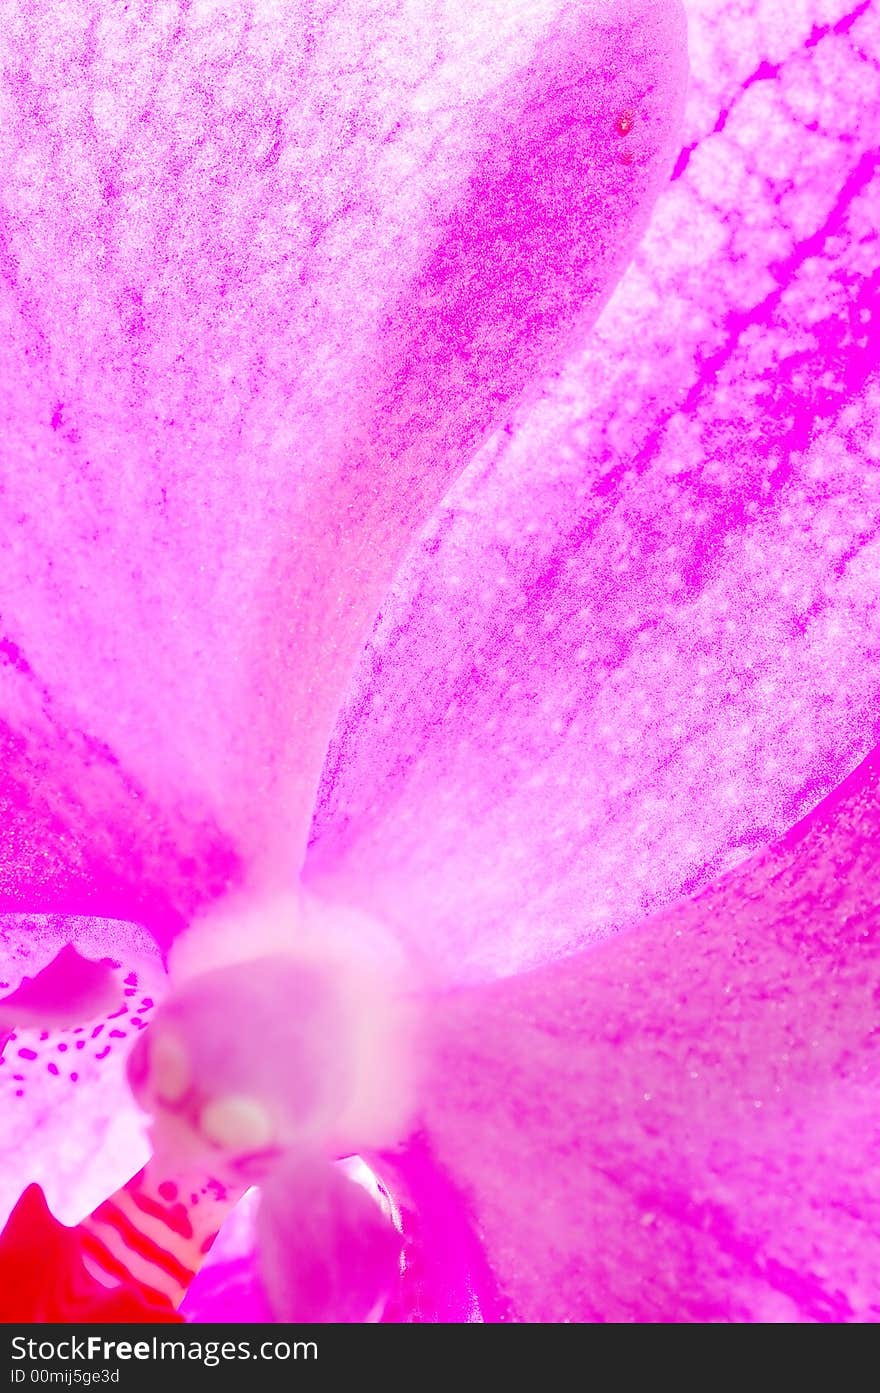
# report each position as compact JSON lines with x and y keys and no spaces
{"x":52,"y":1067}
{"x":168,"y":1190}
{"x":104,"y":1052}
{"x":68,"y":982}
{"x":27,"y":1054}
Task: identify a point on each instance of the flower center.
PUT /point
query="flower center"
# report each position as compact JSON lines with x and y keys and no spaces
{"x":285,"y":1043}
{"x":280,"y":1033}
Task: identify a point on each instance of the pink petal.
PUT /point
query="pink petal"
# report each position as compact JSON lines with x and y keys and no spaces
{"x":266,"y":287}
{"x":326,"y":1251}
{"x":641,"y":638}
{"x":444,"y":1276}
{"x":681,"y":1123}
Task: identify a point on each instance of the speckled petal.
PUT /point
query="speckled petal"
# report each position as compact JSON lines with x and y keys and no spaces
{"x":70,"y":1122}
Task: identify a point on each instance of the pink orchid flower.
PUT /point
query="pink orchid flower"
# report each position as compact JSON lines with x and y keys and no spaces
{"x":439,"y":648}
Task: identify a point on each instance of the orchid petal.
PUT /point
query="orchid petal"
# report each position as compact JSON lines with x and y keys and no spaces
{"x":681,"y":1122}
{"x":281,"y":311}
{"x":640,"y":639}
{"x":444,"y":1275}
{"x":327,"y":1252}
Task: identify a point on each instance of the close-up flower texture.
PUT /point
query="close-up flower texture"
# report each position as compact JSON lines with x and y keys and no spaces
{"x":439,"y":638}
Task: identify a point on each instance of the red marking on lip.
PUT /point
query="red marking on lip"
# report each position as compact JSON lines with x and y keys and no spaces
{"x":174,"y":1218}
{"x":96,"y":1250}
{"x":140,"y":1243}
{"x":44,"y":1279}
